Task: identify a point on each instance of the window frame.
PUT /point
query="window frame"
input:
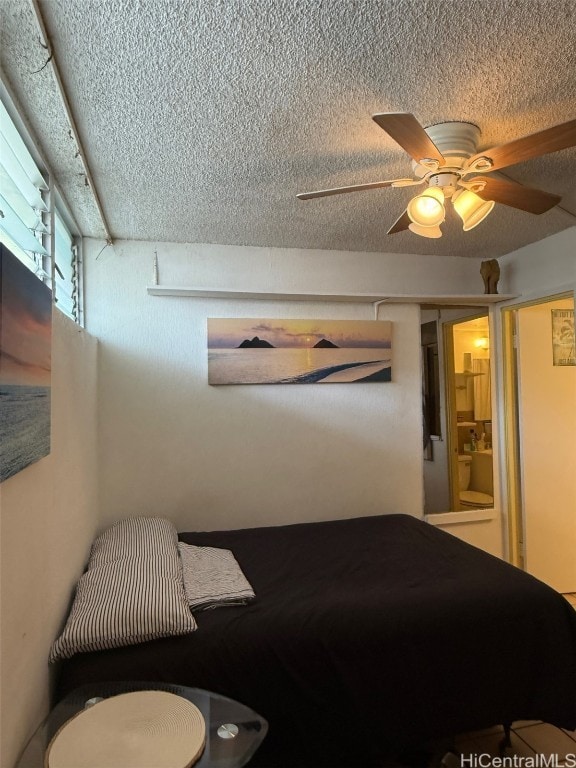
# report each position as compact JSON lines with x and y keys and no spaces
{"x":56,"y":205}
{"x":61,"y":210}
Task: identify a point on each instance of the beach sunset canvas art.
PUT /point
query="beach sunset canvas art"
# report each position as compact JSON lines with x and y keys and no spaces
{"x":25,"y":366}
{"x":264,"y":351}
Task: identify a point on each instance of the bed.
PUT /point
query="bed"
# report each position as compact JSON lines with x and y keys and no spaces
{"x":367,"y":637}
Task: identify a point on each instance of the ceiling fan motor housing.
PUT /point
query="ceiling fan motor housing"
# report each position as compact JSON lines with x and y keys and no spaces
{"x":456,"y":141}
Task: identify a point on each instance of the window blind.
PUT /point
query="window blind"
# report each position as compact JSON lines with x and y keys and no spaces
{"x":26,"y":207}
{"x":22,"y":205}
{"x":65,"y":269}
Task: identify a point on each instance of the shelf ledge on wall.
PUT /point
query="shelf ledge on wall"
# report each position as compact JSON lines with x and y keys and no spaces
{"x":462,"y":516}
{"x":468,"y":300}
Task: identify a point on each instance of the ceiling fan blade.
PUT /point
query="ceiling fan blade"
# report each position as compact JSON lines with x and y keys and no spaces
{"x":550,"y":140}
{"x":353,"y":188}
{"x":407,"y":131}
{"x":402,"y":223}
{"x":516,"y":195}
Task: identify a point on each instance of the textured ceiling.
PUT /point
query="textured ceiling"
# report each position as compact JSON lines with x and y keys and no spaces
{"x":201,"y":120}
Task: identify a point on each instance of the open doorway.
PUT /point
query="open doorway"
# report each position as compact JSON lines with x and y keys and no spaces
{"x":469,"y":397}
{"x":458,"y":467}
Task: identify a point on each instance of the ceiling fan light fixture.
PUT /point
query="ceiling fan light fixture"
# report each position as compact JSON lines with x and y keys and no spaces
{"x":433,"y":232}
{"x":444,"y":157}
{"x":427,"y":208}
{"x":471,"y":208}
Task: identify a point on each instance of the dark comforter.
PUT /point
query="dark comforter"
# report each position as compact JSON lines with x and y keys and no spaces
{"x":367,"y":636}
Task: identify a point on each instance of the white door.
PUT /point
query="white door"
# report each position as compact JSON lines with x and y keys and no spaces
{"x":547,"y":416}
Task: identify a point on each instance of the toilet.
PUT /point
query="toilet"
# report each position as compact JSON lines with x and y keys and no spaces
{"x":470,"y":499}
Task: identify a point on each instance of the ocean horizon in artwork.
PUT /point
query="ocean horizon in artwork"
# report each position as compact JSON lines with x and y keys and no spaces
{"x":25,"y":366}
{"x":256,"y":351}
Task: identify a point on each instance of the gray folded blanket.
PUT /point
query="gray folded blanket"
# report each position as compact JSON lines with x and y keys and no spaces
{"x":212,"y":577}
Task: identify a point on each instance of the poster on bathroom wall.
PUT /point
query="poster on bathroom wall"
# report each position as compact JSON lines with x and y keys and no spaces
{"x":25,"y":366}
{"x":265,"y":351}
{"x":563,"y":347}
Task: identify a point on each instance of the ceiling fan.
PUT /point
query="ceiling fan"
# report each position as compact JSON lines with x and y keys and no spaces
{"x":445,"y":159}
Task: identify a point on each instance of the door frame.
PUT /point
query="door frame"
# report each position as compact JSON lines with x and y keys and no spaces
{"x":450,"y":398}
{"x":511,"y":425}
{"x":512,"y":459}
{"x":450,"y":406}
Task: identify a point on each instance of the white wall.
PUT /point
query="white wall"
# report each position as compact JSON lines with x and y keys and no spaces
{"x":49,"y":515}
{"x":541,"y":269}
{"x":219,"y":457}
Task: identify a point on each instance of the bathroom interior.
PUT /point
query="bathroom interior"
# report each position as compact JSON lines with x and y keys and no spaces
{"x":472,"y":390}
{"x":458,"y":471}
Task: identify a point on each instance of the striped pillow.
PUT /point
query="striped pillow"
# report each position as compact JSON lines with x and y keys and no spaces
{"x":135,"y":537}
{"x":131,"y":592}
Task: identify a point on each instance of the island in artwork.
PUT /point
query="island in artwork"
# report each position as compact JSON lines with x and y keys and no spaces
{"x":255,"y":343}
{"x":325,"y":344}
{"x":264,"y":351}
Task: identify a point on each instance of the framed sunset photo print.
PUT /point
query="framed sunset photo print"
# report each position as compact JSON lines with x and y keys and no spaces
{"x":265,"y":351}
{"x":25,"y":366}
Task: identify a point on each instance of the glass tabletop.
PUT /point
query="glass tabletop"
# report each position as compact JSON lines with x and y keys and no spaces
{"x":233,"y":731}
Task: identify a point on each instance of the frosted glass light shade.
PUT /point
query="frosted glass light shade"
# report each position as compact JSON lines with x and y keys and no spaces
{"x":427,"y":209}
{"x":471,"y":208}
{"x":433,"y":232}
